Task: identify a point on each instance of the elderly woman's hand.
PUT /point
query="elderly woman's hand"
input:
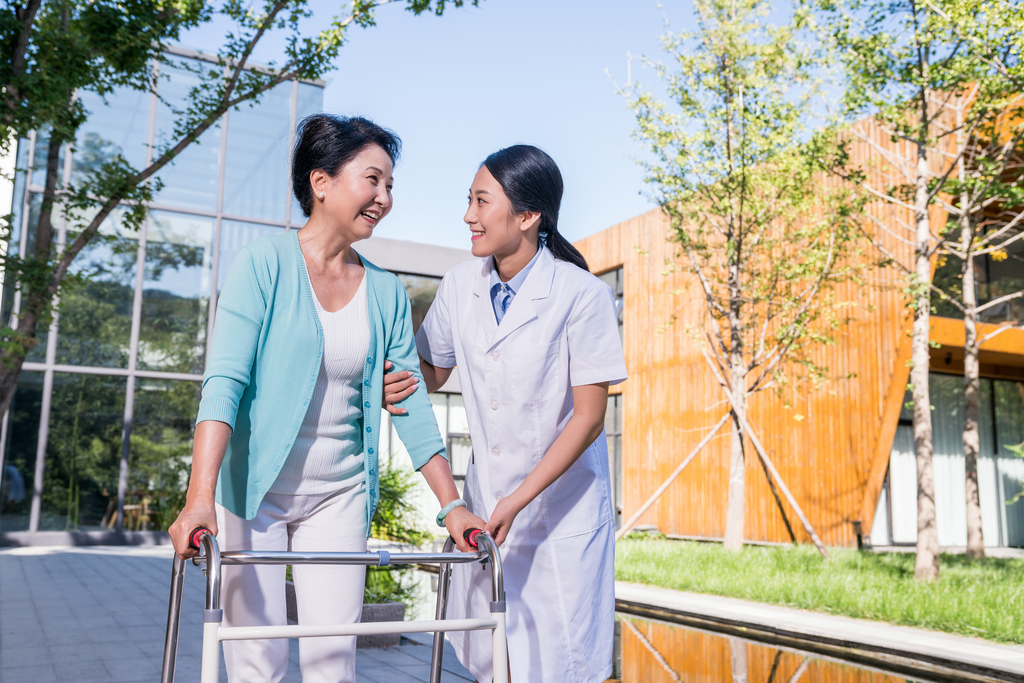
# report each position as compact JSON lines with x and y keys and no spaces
{"x":192,"y":517}
{"x":458,"y":521}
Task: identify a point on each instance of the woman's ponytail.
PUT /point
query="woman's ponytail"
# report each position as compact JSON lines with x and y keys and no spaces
{"x":532,"y":182}
{"x":562,"y":248}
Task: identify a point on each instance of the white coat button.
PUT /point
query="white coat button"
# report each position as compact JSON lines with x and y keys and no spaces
{"x":494,"y":404}
{"x":495,"y":355}
{"x":497,"y":496}
{"x":495,"y":451}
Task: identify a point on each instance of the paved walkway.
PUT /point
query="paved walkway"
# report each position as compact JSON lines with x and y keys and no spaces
{"x":97,"y":615}
{"x":759,"y":620}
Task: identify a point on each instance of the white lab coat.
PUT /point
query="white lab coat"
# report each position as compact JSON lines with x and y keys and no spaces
{"x":560,"y":331}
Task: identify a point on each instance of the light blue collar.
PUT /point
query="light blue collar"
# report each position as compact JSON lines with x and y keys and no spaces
{"x":516,"y":283}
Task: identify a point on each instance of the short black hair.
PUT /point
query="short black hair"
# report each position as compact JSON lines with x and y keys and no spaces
{"x":328,"y":142}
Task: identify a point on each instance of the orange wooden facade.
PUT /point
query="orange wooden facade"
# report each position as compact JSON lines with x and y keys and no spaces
{"x":832,"y":449}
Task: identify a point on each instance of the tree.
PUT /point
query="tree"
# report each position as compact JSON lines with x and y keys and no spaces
{"x":985,"y":196}
{"x":909,"y":67}
{"x":987,"y":203}
{"x":55,"y":50}
{"x":736,"y":171}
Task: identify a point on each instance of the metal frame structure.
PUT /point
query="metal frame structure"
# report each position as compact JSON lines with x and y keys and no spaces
{"x":214,"y":632}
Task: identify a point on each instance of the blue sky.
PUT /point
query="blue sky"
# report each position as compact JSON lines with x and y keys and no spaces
{"x":458,"y":87}
{"x":461,"y":86}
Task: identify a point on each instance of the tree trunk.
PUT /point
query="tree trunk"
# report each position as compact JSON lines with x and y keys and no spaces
{"x":972,"y":386}
{"x":13,"y":357}
{"x":738,"y":660}
{"x":735,"y":514}
{"x":927,"y":565}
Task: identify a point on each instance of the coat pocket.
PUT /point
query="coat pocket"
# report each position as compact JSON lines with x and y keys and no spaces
{"x":537,"y":371}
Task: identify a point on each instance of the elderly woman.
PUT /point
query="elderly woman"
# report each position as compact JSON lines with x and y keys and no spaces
{"x":286,"y":443}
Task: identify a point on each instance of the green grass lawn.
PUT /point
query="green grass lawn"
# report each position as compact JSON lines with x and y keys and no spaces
{"x":976,"y":598}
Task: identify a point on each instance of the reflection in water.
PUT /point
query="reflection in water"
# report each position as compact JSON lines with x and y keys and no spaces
{"x":656,"y":652}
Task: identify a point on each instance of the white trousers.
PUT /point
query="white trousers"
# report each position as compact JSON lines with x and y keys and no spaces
{"x":253,"y":595}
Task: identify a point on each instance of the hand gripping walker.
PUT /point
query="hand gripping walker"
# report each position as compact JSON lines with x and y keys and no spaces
{"x":213,"y":616}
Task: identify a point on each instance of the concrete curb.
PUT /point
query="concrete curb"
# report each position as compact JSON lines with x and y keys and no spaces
{"x":898,"y":649}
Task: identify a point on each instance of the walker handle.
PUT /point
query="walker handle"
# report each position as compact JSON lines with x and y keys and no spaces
{"x":196,"y":537}
{"x":470,"y":536}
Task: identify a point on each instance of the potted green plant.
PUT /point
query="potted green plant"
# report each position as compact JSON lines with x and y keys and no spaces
{"x":388,"y":590}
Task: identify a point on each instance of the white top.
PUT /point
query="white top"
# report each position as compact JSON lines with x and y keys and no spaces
{"x":328,"y":451}
{"x":559,"y":332}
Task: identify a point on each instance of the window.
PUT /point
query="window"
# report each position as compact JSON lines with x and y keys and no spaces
{"x":125,"y":334}
{"x":995,"y":276}
{"x":613,"y":431}
{"x":614,"y":279}
{"x":1000,"y":472}
{"x":450,"y":411}
{"x":421,"y":290}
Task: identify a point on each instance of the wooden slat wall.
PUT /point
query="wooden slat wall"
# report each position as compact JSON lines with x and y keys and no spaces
{"x":834,"y":460}
{"x":697,"y":656}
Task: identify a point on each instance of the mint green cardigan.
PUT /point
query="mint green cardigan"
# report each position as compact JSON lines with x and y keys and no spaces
{"x":264,"y":361}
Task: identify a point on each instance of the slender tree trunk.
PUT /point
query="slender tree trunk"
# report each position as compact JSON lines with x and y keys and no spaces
{"x":972,"y":382}
{"x":927,"y":566}
{"x":738,"y":660}
{"x":972,"y":386}
{"x":735,"y":514}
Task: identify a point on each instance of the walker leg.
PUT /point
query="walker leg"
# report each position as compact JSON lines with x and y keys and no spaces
{"x":173,"y":620}
{"x":212,"y":619}
{"x":443,"y":583}
{"x":499,"y":645}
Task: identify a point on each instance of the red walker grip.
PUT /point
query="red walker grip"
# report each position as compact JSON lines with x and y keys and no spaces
{"x":470,"y":536}
{"x":196,"y":537}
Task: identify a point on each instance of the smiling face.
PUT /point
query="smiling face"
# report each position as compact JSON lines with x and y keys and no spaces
{"x":495,"y":229}
{"x":356,"y":200}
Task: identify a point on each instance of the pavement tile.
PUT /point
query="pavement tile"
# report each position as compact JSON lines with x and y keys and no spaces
{"x":108,"y":652}
{"x":25,"y":638}
{"x":26,"y":655}
{"x":390,"y":676}
{"x":73,"y":670}
{"x":139,"y":668}
{"x":99,"y":615}
{"x":72,"y":651}
{"x":30,"y":674}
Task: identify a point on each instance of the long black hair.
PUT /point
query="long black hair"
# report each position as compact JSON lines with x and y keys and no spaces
{"x":328,"y":142}
{"x":532,"y":182}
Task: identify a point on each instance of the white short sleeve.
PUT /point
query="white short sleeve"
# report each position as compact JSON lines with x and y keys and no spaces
{"x":435,"y":340}
{"x":595,"y":350}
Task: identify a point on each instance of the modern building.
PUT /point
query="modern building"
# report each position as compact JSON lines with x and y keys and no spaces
{"x":848,"y":455}
{"x":103,"y":417}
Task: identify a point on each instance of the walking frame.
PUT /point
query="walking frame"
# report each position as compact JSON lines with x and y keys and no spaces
{"x":212,"y":559}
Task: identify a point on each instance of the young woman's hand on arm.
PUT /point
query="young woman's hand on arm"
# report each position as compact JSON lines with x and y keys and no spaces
{"x":438,"y":474}
{"x":398,"y":386}
{"x":208,"y":449}
{"x":590,"y":401}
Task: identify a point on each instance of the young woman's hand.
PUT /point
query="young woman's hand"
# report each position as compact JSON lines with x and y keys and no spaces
{"x":398,"y":386}
{"x":191,"y":518}
{"x":457,"y":522}
{"x":501,"y":520}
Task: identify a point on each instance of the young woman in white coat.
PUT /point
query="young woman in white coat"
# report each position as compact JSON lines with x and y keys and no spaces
{"x":535,"y":338}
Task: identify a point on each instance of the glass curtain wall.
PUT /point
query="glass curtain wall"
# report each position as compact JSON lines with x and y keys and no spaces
{"x":1000,"y":471}
{"x":100,"y":429}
